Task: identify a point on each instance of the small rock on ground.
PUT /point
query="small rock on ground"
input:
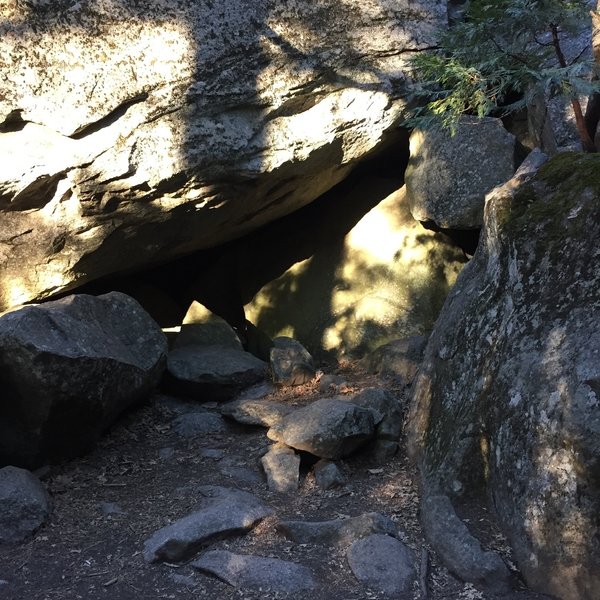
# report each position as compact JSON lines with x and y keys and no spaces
{"x":198,"y":424}
{"x":328,"y":475}
{"x":257,"y":572}
{"x":24,"y":504}
{"x":383,"y":563}
{"x":282,"y":468}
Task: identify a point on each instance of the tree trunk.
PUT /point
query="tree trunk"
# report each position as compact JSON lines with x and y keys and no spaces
{"x":587,"y":143}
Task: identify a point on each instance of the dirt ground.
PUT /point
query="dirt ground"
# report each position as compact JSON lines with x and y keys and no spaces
{"x":91,"y":549}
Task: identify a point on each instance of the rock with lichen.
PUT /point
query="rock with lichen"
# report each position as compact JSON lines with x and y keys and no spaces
{"x":508,"y":396}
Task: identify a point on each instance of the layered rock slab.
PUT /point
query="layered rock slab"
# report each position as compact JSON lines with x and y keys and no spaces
{"x":68,"y":368}
{"x":257,"y":572}
{"x":223,"y":512}
{"x":252,"y":121}
{"x":507,"y":396}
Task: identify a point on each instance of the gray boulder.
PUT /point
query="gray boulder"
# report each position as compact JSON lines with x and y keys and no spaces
{"x":398,"y":358}
{"x":328,"y":475}
{"x":448,"y":176}
{"x":507,"y":396}
{"x":257,"y":572}
{"x":327,"y":428}
{"x":291,"y":363}
{"x":282,"y":468}
{"x":383,"y":563}
{"x":24,"y":504}
{"x":216,"y":119}
{"x":461,"y":552}
{"x":212,"y":372}
{"x":222,"y":512}
{"x":339,"y":532}
{"x":389,"y":413}
{"x":69,"y":368}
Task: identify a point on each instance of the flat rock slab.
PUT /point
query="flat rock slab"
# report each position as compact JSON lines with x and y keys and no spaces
{"x":224,"y":512}
{"x":338,"y":531}
{"x":282,"y":468}
{"x":383,"y":563}
{"x":327,"y":428}
{"x":256,"y":412}
{"x":24,"y":504}
{"x":198,"y":424}
{"x":257,"y":572}
{"x":213,"y":372}
{"x":461,"y":552}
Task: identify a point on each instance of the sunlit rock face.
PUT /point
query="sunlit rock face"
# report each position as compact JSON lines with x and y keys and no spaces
{"x":508,"y":397}
{"x":381,"y":277}
{"x":137,"y":132}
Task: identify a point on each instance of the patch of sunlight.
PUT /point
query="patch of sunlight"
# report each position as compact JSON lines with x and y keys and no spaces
{"x":17,"y":293}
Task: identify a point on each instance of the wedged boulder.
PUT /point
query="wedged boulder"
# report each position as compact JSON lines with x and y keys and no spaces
{"x":327,"y":428}
{"x":215,"y":120}
{"x":282,"y":468}
{"x":68,"y":369}
{"x":389,"y":427}
{"x":24,"y":504}
{"x":448,"y":176}
{"x":212,"y":372}
{"x":259,"y":573}
{"x":291,"y":363}
{"x":222,"y":512}
{"x":507,"y":398}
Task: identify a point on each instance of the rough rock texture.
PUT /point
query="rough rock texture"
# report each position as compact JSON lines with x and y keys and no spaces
{"x":460,"y":552}
{"x":282,"y":468}
{"x":213,"y":372}
{"x":342,"y":532}
{"x":327,"y":428}
{"x":257,"y":572}
{"x":328,"y":475}
{"x":508,"y":395}
{"x":389,"y":427}
{"x":291,"y":363}
{"x":223,"y":512}
{"x":383,"y":563}
{"x":68,"y":368}
{"x":380,"y":278}
{"x":448,"y":177}
{"x":24,"y":504}
{"x":201,"y":327}
{"x":145,"y":130}
{"x":398,"y":358}
{"x":198,"y":424}
{"x":256,"y":412}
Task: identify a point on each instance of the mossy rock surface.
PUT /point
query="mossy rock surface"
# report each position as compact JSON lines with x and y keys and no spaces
{"x":507,"y":400}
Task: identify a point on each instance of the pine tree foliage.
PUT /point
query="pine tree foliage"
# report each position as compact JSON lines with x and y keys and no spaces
{"x":501,"y":53}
